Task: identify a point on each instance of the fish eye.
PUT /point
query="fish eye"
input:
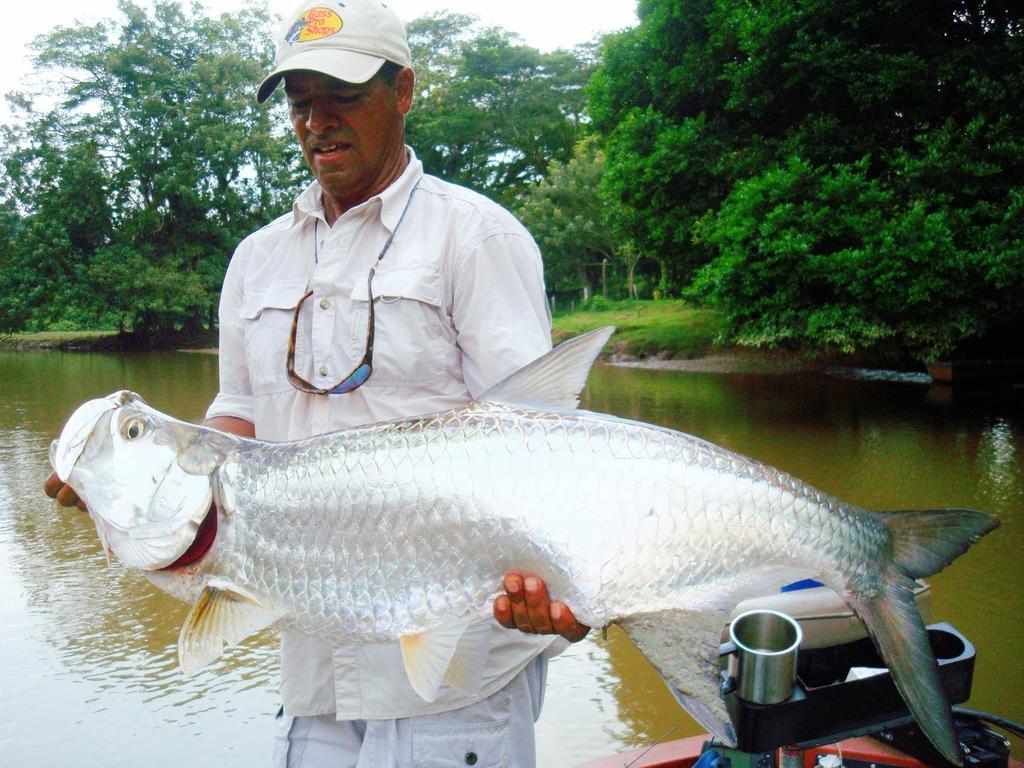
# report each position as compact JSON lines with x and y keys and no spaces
{"x":133,"y":429}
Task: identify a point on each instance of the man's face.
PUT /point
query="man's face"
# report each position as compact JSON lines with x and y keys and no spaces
{"x":352,"y":135}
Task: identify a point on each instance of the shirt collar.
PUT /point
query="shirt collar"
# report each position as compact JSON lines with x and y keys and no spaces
{"x":391,"y":202}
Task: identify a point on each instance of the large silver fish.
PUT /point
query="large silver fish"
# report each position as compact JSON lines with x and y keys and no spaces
{"x":403,"y":530}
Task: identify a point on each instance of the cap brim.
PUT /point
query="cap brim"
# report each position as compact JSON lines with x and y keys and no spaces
{"x":350,"y":66}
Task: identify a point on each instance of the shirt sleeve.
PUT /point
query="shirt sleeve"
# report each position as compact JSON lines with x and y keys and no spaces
{"x":499,"y":308}
{"x":234,"y":397}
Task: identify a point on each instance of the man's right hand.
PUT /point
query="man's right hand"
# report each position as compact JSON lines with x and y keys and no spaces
{"x":65,"y":495}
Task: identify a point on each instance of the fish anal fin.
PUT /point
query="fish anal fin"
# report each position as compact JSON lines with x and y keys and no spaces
{"x":221,"y":616}
{"x":683,"y":646}
{"x":554,"y":380}
{"x":428,"y":655}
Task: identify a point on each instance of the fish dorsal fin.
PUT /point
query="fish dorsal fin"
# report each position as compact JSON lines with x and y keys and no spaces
{"x":221,"y":616}
{"x":555,"y":379}
{"x":429,"y":655}
{"x":466,"y":670}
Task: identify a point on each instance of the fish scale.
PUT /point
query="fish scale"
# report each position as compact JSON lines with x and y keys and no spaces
{"x":402,"y":531}
{"x":394,"y":495}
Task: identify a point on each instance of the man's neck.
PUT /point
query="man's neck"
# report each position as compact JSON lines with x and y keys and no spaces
{"x":334,"y":208}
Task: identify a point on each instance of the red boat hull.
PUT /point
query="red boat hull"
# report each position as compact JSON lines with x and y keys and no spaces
{"x":683,"y":753}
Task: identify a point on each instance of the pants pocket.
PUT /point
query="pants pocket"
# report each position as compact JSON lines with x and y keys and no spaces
{"x":479,"y":745}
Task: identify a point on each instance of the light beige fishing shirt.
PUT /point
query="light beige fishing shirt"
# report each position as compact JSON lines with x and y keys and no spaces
{"x":459,"y":305}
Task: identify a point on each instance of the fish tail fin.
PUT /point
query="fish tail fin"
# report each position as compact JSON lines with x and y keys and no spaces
{"x":902,"y":639}
{"x":926,"y":541}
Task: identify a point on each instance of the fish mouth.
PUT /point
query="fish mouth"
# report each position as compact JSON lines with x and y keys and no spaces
{"x":201,"y":544}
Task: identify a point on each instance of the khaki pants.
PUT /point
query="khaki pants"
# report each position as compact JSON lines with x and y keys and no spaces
{"x":494,"y":733}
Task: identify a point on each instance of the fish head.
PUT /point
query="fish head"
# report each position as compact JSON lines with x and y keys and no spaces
{"x":147,"y":479}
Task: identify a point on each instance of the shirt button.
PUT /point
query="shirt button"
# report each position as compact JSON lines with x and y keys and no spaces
{"x":325,"y":303}
{"x":471,"y":758}
{"x":323,"y":370}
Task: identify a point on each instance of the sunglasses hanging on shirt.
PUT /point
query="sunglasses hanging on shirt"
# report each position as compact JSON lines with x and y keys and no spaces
{"x":358,"y":375}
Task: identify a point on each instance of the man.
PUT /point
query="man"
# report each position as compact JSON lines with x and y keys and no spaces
{"x":384,"y":293}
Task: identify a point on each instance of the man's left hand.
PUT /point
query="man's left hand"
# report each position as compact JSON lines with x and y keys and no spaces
{"x":526,"y":606}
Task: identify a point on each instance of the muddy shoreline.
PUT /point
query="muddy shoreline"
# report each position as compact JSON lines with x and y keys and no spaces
{"x":722,"y":360}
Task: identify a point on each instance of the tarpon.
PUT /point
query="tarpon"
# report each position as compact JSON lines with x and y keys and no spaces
{"x":402,"y":531}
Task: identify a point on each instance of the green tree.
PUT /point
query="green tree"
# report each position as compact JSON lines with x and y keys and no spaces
{"x":491,"y":112}
{"x":61,"y":173}
{"x":902,"y":113}
{"x":570,"y":221}
{"x":161,"y":164}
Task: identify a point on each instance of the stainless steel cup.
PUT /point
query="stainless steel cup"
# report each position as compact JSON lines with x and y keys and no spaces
{"x":764,"y":664}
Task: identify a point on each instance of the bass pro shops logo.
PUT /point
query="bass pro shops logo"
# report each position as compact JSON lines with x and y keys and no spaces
{"x":314,"y":24}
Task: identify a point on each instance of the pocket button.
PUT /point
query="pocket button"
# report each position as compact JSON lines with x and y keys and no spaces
{"x":471,"y":758}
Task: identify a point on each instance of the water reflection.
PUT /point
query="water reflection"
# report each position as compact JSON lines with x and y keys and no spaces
{"x":1000,"y":456}
{"x":88,"y":652}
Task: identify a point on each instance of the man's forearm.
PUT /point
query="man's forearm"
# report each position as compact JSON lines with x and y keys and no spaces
{"x":232,"y":424}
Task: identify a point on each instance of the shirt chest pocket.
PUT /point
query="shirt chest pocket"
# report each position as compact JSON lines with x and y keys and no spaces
{"x":267,"y":319}
{"x":410,"y":341}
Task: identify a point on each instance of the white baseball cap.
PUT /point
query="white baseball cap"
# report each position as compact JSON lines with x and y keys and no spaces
{"x":345,"y":39}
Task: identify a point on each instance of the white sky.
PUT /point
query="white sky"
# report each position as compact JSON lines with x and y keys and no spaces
{"x":543,"y":24}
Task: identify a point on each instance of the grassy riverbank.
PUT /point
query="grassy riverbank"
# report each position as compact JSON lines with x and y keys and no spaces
{"x":70,"y":340}
{"x":105,"y":341}
{"x":665,"y":329}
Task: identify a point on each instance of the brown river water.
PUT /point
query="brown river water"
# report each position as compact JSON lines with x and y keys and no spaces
{"x":88,"y":674}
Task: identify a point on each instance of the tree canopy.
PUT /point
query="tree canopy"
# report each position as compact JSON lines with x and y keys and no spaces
{"x":491,"y":113}
{"x":128,"y":184}
{"x":831,"y":175}
{"x":127,"y":193}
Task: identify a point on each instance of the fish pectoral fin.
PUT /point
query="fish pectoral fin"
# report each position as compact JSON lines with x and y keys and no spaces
{"x":466,"y":670}
{"x":219,"y":617}
{"x":200,"y":450}
{"x":554,"y":380}
{"x":428,"y":656}
{"x":683,"y":646}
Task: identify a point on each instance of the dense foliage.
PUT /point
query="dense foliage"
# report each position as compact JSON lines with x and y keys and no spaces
{"x":832,"y":175}
{"x":125,"y":194}
{"x":565,"y":213}
{"x":838,"y":176}
{"x":123,"y":197}
{"x":491,"y":113}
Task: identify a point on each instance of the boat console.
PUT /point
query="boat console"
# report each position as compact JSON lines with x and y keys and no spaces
{"x":804,"y":687}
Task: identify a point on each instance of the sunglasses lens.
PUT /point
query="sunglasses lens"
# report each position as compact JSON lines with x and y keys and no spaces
{"x":354,"y":380}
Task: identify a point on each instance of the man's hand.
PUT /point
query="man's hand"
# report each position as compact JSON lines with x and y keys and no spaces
{"x":526,"y":606}
{"x":65,"y":495}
